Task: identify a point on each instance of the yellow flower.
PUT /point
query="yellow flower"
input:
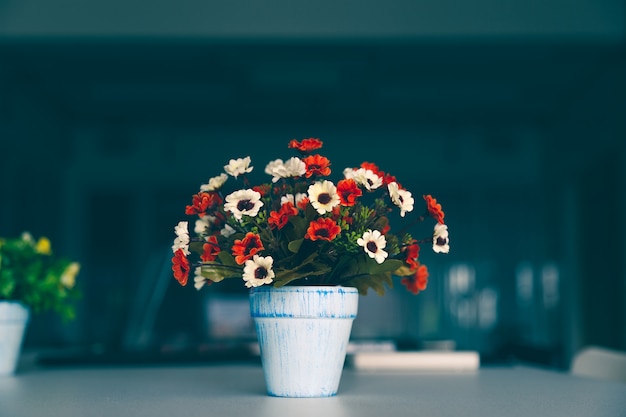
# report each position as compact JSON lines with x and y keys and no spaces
{"x":68,"y":279}
{"x":43,"y":246}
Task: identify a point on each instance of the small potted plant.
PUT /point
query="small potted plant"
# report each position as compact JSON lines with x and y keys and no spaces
{"x":306,"y":246}
{"x":32,"y":279}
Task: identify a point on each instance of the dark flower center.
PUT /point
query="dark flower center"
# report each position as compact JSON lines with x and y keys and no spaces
{"x":371,"y":246}
{"x":244,"y":205}
{"x":260,"y":272}
{"x":324,"y":198}
{"x":322,"y":233}
{"x":441,"y":241}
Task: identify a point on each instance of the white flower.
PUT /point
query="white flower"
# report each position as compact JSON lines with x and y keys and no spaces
{"x":373,"y":243}
{"x":441,"y":242}
{"x":273,"y":167}
{"x":202,"y":223}
{"x":68,"y":278}
{"x":27,"y":237}
{"x":289,"y":198}
{"x":323,"y":196}
{"x":242,"y":202}
{"x":258,"y":271}
{"x":401,"y":198}
{"x":238,"y":166}
{"x":294,"y":167}
{"x":349,"y":172}
{"x":227,"y":231}
{"x":182,"y":238}
{"x":198,"y":279}
{"x":215,"y":183}
{"x":364,"y":177}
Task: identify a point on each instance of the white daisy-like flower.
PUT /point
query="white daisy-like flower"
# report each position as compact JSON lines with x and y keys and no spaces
{"x":291,"y":199}
{"x":202,"y":223}
{"x":182,"y":238}
{"x":258,"y":271}
{"x":198,"y":279}
{"x":373,"y":243}
{"x":227,"y":231}
{"x":294,"y":167}
{"x":401,"y":198}
{"x":349,"y":173}
{"x":323,"y":196}
{"x":441,"y":241}
{"x":364,"y":177}
{"x":214,"y":183}
{"x":238,"y":166}
{"x":273,"y":166}
{"x":242,"y":202}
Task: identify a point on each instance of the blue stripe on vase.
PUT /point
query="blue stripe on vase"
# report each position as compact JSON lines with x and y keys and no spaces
{"x":304,"y":301}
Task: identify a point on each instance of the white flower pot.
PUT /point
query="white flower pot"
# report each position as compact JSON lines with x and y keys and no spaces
{"x":13,"y":320}
{"x":303,"y":334}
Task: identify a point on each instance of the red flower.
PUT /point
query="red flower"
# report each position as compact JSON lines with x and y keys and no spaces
{"x":280,"y":218}
{"x":388,"y":179}
{"x":417,"y":282}
{"x":322,"y":228}
{"x":434,"y":209}
{"x":210,"y":249}
{"x":202,"y":202}
{"x":337,"y":216}
{"x":180,"y":267}
{"x":373,"y":167}
{"x":262,"y":189}
{"x":317,"y":165}
{"x":303,"y":203}
{"x":246,"y":248}
{"x":306,"y":146}
{"x":348,"y":191}
{"x":412,"y":253}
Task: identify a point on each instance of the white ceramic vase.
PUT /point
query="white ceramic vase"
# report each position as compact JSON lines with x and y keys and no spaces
{"x":303,"y":334}
{"x":13,"y":320}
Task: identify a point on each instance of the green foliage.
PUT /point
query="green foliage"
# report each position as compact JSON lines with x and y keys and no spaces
{"x":30,"y":274}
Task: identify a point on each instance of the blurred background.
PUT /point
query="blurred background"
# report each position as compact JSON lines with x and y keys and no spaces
{"x":512,"y":114}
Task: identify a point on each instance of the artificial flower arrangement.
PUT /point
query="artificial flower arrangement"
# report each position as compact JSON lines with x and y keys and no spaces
{"x":33,"y":276}
{"x":300,"y":228}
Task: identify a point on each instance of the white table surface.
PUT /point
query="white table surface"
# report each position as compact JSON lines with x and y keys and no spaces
{"x":239,"y":390}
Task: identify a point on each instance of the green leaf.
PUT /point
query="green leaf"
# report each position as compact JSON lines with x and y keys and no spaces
{"x":299,"y":226}
{"x":294,"y":245}
{"x":218,"y":272}
{"x":285,"y":277}
{"x":376,"y":282}
{"x":389,"y":265}
{"x":196,"y":247}
{"x":226,"y":258}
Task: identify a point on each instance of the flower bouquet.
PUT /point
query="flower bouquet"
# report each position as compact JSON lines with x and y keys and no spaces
{"x":299,"y":227}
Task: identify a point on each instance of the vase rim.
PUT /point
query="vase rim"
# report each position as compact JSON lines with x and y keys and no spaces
{"x":304,"y":302}
{"x":13,"y":310}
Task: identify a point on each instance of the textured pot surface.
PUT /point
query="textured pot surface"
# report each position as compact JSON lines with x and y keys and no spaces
{"x":303,"y":336}
{"x":13,"y":319}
